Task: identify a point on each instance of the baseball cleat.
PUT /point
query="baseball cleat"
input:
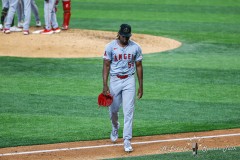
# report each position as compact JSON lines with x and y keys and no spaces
{"x":38,"y":24}
{"x":20,"y":24}
{"x":1,"y":26}
{"x":64,"y":27}
{"x":26,"y":32}
{"x":15,"y":29}
{"x":46,"y":31}
{"x":56,"y":30}
{"x":127,"y":146}
{"x":114,"y":133}
{"x":6,"y":31}
{"x":38,"y":31}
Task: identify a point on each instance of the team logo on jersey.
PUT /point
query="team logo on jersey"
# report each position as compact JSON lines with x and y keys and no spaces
{"x":118,"y":57}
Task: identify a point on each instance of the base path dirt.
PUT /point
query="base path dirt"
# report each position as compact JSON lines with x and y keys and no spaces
{"x":224,"y":140}
{"x":74,"y":43}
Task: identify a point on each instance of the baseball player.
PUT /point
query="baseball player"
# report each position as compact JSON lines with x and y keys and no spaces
{"x":66,"y":13}
{"x":122,"y":58}
{"x":51,"y":24}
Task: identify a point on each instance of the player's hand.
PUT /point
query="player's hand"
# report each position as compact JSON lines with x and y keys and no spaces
{"x":140,"y":92}
{"x":105,"y":90}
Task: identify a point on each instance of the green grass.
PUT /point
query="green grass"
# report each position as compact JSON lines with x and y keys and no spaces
{"x":193,"y":88}
{"x":228,"y":153}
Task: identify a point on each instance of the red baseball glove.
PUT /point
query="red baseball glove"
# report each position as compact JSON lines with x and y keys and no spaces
{"x":105,"y":100}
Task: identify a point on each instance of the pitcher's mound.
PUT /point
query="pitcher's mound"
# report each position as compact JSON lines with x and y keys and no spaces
{"x":74,"y":43}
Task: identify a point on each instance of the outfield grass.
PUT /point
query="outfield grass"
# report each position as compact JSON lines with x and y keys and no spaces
{"x":193,"y":88}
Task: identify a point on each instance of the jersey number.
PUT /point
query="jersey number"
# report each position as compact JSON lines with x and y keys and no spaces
{"x":130,"y":64}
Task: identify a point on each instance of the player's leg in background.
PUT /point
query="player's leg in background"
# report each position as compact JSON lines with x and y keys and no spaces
{"x":20,"y":13}
{"x":35,"y":11}
{"x":10,"y":14}
{"x":55,"y":26}
{"x":66,"y":14}
{"x":27,"y":16}
{"x":5,"y":8}
{"x":48,"y":8}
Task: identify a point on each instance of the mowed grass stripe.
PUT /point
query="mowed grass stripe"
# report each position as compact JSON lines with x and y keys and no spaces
{"x":75,"y":106}
{"x":186,"y":111}
{"x":45,"y":129}
{"x":156,"y":74}
{"x":196,"y":60}
{"x":158,"y":16}
{"x":158,"y":8}
{"x":52,"y":105}
{"x":228,"y":3}
{"x":198,"y":32}
{"x":198,"y":92}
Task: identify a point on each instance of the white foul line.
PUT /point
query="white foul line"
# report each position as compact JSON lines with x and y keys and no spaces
{"x":112,"y":145}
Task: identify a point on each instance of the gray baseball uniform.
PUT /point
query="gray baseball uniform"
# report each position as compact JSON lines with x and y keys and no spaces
{"x":122,"y":81}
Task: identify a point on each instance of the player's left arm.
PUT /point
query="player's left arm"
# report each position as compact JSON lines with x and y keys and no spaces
{"x":139,"y":70}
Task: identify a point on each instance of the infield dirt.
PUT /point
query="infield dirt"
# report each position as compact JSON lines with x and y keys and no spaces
{"x":74,"y":43}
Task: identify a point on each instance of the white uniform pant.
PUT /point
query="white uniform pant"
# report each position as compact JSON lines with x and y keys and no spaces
{"x":123,"y":92}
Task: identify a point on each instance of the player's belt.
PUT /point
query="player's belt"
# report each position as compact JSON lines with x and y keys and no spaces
{"x":123,"y":76}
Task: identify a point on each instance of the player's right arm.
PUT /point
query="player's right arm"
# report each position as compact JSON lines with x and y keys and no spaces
{"x":105,"y":73}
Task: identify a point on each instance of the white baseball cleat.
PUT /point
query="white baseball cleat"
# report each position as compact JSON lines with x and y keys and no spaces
{"x":114,"y":133}
{"x":15,"y":29}
{"x":1,"y":26}
{"x":38,"y":31}
{"x":20,"y":24}
{"x":25,"y":32}
{"x":6,"y":31}
{"x":127,"y":146}
{"x":64,"y":27}
{"x":38,"y":24}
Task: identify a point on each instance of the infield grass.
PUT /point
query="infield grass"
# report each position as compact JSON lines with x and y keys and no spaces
{"x":193,"y":88}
